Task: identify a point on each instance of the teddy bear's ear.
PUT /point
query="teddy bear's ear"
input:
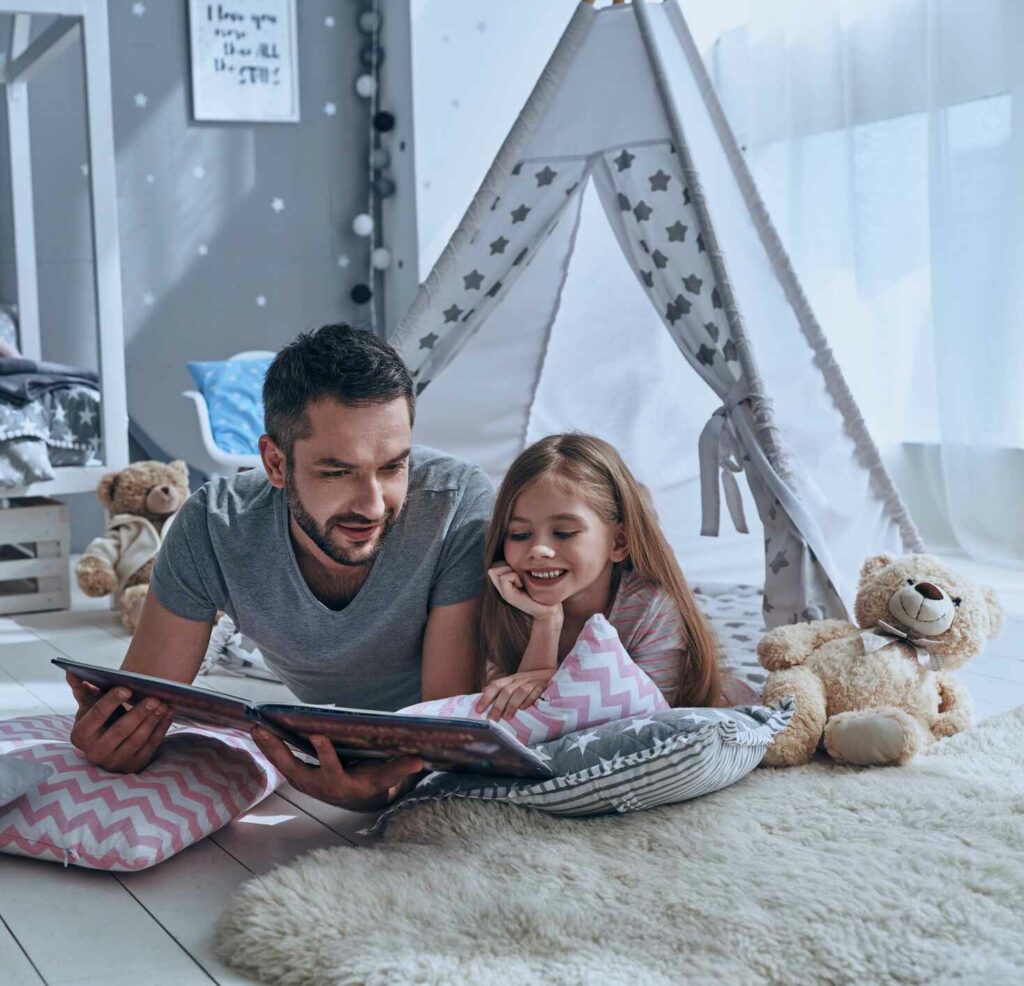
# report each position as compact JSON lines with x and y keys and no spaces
{"x":995,"y":611}
{"x":105,"y":489}
{"x":181,"y":468}
{"x":874,"y":564}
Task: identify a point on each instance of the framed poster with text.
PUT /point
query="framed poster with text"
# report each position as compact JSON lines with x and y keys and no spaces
{"x":245,"y":60}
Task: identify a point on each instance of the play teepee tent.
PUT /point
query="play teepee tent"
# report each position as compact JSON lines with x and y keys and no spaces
{"x":531,"y":323}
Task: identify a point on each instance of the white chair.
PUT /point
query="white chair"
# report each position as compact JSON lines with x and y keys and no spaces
{"x":214,"y":461}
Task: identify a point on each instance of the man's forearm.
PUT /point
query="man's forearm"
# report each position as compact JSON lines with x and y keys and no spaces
{"x":166,"y":645}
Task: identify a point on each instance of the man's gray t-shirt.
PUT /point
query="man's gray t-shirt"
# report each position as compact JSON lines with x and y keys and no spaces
{"x":230,"y":548}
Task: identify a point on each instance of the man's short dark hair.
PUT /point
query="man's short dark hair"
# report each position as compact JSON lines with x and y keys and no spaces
{"x":348,"y":365}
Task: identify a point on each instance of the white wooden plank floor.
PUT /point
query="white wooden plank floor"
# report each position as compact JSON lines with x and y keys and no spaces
{"x":76,"y":926}
{"x":155,"y":926}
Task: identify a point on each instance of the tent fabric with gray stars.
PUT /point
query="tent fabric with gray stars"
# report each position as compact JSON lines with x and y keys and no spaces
{"x":703,"y":340}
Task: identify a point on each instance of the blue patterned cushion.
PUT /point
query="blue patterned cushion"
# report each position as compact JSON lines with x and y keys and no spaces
{"x":233,"y":390}
{"x":627,"y":765}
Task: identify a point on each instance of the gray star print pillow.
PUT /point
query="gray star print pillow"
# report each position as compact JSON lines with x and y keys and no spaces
{"x":627,"y":765}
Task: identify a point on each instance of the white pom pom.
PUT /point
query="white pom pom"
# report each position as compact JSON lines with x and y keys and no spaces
{"x":362,"y":225}
{"x":366,"y":86}
{"x":381,"y":258}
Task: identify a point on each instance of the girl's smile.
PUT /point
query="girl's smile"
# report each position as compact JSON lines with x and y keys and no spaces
{"x":540,"y":580}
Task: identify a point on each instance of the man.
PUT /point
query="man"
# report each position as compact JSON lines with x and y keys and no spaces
{"x":355,"y":563}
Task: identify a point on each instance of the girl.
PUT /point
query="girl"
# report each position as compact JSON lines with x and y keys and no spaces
{"x":572,"y":534}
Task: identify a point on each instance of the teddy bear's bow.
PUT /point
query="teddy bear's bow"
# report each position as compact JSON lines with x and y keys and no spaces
{"x":882,"y":634}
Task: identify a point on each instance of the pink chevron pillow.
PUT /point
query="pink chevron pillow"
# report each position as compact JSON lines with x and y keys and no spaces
{"x":202,"y":778}
{"x":596,"y":683}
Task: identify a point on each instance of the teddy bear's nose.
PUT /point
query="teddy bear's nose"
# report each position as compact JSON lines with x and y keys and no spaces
{"x":928,"y":590}
{"x":165,"y":490}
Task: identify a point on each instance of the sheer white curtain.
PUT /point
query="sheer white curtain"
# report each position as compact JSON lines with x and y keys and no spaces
{"x":887,"y":137}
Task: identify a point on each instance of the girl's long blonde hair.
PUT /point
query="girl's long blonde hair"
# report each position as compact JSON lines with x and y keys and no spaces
{"x":595,"y":470}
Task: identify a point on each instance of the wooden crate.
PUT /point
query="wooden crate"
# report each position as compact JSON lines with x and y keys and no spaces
{"x":35,"y":548}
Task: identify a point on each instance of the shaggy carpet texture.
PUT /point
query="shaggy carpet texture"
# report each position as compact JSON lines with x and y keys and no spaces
{"x":815,"y":874}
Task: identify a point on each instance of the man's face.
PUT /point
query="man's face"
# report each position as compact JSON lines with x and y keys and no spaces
{"x":346,"y":483}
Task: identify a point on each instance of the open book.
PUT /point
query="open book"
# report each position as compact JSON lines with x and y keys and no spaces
{"x":464,"y":745}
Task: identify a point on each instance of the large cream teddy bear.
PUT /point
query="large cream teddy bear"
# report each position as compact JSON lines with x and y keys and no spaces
{"x":142,"y":500}
{"x":879,"y":692}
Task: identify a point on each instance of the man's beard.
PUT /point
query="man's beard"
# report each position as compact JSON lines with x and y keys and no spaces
{"x":321,"y":536}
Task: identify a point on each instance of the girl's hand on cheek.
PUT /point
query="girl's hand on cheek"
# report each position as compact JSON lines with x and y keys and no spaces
{"x":511,"y":588}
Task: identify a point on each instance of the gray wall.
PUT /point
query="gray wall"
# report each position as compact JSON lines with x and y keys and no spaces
{"x":200,"y":241}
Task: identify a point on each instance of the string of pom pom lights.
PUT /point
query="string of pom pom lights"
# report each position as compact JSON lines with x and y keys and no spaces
{"x":369,"y":21}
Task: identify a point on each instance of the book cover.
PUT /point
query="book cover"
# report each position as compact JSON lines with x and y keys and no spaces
{"x":460,"y":745}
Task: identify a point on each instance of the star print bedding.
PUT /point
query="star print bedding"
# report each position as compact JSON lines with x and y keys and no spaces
{"x":627,"y":765}
{"x":734,"y":612}
{"x":49,"y":417}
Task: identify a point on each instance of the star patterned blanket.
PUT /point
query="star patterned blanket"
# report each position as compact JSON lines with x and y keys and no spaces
{"x":58,"y":426}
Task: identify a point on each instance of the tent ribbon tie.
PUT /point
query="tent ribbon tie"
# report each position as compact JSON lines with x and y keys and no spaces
{"x":720,"y":452}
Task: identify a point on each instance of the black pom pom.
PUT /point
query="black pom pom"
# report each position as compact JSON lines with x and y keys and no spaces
{"x":371,"y":55}
{"x":384,"y":187}
{"x":361,"y":294}
{"x":384,"y":121}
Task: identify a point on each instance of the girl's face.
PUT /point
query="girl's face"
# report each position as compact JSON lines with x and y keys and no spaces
{"x":557,"y":544}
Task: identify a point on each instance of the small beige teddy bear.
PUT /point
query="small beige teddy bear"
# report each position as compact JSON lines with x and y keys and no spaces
{"x":879,"y":692}
{"x":143,"y":500}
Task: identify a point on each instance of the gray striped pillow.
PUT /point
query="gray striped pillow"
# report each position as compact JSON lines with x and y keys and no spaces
{"x":628,"y":765}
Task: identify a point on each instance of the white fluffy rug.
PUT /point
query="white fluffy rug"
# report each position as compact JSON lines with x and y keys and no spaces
{"x":817,"y":874}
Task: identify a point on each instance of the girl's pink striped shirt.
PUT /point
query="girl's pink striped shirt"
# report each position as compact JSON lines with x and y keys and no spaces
{"x":651,"y":629}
